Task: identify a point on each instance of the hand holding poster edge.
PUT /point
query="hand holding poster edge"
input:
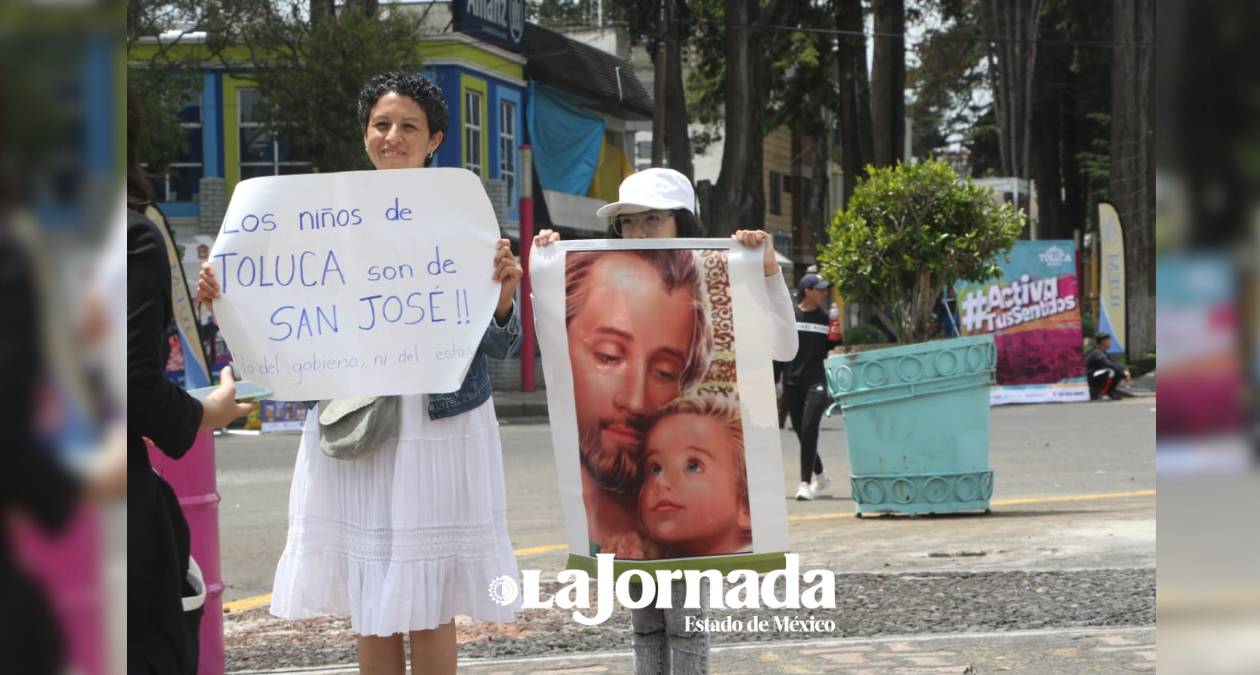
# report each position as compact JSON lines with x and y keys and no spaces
{"x":755,"y":395}
{"x":357,"y":283}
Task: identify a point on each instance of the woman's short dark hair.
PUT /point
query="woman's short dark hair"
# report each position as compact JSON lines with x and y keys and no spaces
{"x":689,"y":226}
{"x":426,"y":94}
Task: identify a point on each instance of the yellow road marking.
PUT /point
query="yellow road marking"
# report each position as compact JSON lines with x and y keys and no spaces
{"x":1073,"y":498}
{"x":256,"y":601}
{"x":246,"y":604}
{"x":539,"y":550}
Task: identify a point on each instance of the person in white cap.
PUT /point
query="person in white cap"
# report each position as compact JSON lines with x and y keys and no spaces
{"x":660,"y":203}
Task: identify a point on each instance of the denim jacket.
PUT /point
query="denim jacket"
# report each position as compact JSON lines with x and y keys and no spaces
{"x":501,"y":342}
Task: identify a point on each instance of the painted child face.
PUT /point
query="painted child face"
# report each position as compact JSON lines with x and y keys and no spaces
{"x":690,"y":499}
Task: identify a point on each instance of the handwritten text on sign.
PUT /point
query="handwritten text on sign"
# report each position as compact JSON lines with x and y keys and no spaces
{"x":356,"y":283}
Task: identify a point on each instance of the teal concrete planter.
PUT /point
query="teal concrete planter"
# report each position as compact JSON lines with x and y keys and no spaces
{"x":917,"y":421}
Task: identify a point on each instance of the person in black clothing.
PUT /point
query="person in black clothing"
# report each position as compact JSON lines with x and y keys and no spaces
{"x":160,"y":637}
{"x":32,"y":481}
{"x":804,"y":382}
{"x":1102,"y":372}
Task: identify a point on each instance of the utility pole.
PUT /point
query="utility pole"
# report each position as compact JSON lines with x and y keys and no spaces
{"x":658,"y":119}
{"x":528,"y":340}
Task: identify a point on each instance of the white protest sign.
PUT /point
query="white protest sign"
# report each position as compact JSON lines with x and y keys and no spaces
{"x":356,"y":284}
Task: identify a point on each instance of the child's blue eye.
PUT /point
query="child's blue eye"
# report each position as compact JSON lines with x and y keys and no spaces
{"x":694,"y":465}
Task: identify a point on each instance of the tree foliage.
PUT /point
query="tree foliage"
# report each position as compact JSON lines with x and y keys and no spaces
{"x":309,"y":74}
{"x":1020,"y":88}
{"x":1070,"y":120}
{"x":947,"y":79}
{"x":800,"y":88}
{"x":568,"y":13}
{"x":161,"y":92}
{"x":169,"y":77}
{"x":307,"y":62}
{"x":908,"y":232}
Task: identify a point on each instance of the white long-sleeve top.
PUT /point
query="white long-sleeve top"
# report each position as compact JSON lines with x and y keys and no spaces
{"x":783,"y":338}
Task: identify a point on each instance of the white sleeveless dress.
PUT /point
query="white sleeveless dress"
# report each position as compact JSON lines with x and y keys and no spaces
{"x":402,"y":539}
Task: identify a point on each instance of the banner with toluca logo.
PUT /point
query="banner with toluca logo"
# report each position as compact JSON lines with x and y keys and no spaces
{"x":1033,"y":310}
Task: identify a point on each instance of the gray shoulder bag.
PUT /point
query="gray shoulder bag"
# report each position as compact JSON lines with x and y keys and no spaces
{"x":353,"y":427}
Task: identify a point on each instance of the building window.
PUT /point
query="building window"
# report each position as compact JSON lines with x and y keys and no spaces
{"x":776,"y":193}
{"x":182,"y":179}
{"x":264,"y":153}
{"x":507,"y":147}
{"x":472,"y":131}
{"x":642,"y":155}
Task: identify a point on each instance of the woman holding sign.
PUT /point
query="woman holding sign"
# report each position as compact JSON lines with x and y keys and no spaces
{"x":407,"y":536}
{"x":638,"y":420}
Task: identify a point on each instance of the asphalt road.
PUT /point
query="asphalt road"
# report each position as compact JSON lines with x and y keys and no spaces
{"x":1074,"y":489}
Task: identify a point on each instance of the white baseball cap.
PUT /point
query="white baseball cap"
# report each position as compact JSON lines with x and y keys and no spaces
{"x":649,"y":189}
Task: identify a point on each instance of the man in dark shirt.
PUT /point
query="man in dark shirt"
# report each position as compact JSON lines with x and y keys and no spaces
{"x":1103,"y":373}
{"x":804,"y":382}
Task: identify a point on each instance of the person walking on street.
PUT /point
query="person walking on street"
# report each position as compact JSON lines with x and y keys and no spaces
{"x":804,"y":382}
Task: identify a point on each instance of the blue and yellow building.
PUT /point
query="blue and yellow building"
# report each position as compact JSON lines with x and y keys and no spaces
{"x":502,"y":78}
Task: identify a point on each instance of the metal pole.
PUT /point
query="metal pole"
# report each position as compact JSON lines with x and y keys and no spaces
{"x":528,"y":340}
{"x":658,"y":119}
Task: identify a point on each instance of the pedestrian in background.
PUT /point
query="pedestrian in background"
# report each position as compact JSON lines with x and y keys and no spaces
{"x":1103,"y":373}
{"x":804,"y":382}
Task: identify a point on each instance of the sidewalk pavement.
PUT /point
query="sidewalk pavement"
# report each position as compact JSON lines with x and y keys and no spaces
{"x":1075,"y":650}
{"x":1142,"y":386}
{"x":1106,"y":650}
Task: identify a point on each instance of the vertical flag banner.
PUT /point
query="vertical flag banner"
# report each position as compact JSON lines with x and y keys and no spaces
{"x":1111,"y":293}
{"x":187,"y":364}
{"x":1033,"y":310}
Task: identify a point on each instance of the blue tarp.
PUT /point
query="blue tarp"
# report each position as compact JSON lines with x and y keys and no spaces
{"x":566,"y":141}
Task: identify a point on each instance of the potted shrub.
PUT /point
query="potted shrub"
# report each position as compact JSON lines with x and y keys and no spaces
{"x":916,"y":415}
